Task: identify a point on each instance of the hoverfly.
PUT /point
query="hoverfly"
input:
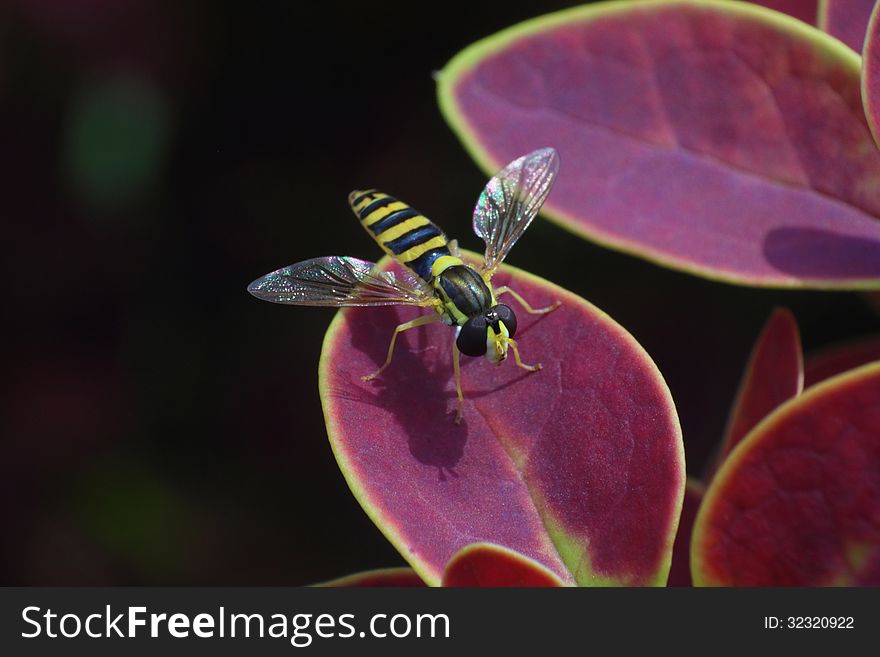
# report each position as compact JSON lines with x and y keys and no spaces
{"x":460,"y":295}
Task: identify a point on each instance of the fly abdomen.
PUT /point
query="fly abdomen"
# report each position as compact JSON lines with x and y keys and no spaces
{"x":400,"y":230}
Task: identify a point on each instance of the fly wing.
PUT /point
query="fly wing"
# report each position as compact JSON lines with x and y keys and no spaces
{"x":510,"y":201}
{"x":339,"y":281}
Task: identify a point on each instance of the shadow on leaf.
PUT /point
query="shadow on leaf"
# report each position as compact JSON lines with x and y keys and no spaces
{"x":812,"y":253}
{"x":419,"y":371}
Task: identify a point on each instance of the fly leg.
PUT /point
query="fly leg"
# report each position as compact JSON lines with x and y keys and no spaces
{"x":418,"y":321}
{"x":519,"y":363}
{"x":525,"y":304}
{"x":456,"y":368}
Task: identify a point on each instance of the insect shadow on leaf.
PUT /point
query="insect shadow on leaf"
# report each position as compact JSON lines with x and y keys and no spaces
{"x":808,"y":252}
{"x":420,"y":395}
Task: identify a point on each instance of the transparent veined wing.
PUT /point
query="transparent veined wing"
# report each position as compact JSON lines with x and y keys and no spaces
{"x":339,"y":281}
{"x":511,"y":200}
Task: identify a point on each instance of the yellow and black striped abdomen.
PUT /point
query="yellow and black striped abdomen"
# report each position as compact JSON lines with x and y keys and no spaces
{"x":400,"y":230}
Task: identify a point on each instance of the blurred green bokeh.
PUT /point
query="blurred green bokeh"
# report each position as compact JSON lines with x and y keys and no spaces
{"x":144,"y":520}
{"x":116,"y":139}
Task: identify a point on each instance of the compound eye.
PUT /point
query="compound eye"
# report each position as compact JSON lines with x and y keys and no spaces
{"x":505,"y":314}
{"x":471,"y":339}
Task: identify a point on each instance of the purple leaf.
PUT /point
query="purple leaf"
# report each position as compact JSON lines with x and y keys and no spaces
{"x":724,"y":140}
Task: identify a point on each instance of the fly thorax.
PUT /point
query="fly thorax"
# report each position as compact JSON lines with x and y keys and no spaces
{"x":463,"y":292}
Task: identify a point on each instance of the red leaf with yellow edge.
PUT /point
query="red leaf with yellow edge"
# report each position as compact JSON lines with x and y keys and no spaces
{"x":797,"y":502}
{"x":830,"y":361}
{"x":719,"y":138}
{"x":871,"y":74}
{"x":680,"y":572}
{"x":485,"y":564}
{"x":805,"y":10}
{"x":579,"y":466}
{"x":774,"y":374}
{"x":379,"y":578}
{"x":846,"y":20}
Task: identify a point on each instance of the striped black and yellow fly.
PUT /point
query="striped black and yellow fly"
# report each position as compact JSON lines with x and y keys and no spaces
{"x":461,"y":295}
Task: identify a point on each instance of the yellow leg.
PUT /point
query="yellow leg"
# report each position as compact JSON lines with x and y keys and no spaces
{"x":519,"y":363}
{"x":525,"y":304}
{"x":456,"y":368}
{"x":418,"y":321}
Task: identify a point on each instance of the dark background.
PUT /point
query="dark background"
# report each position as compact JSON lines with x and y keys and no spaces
{"x":159,"y":425}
